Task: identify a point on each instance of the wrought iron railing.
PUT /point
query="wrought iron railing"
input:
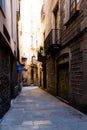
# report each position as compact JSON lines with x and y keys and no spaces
{"x":52,"y":39}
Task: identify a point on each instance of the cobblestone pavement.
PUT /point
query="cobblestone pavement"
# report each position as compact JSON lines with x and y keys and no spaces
{"x":35,"y":109}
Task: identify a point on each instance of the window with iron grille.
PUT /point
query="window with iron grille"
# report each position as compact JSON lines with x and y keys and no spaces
{"x":73,"y":6}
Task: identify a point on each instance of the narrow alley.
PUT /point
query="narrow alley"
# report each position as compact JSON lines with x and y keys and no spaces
{"x":36,"y":109}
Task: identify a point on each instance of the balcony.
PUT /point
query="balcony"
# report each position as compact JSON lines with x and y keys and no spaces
{"x":40,"y":55}
{"x":52,"y":42}
{"x":41,"y":58}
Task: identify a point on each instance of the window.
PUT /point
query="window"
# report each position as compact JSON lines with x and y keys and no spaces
{"x":71,"y":6}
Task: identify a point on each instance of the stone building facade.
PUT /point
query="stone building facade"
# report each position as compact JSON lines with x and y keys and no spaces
{"x":28,"y":40}
{"x":8,"y":54}
{"x":65,"y":46}
{"x":40,"y":53}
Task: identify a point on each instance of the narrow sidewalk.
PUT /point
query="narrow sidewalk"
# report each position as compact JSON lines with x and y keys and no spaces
{"x":35,"y":109}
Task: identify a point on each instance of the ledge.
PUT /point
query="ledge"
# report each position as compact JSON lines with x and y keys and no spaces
{"x":72,"y":18}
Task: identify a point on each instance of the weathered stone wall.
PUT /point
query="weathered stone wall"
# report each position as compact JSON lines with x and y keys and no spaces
{"x":31,"y":75}
{"x":40,"y":77}
{"x":36,"y":76}
{"x":49,"y":16}
{"x":76,"y":25}
{"x":50,"y":68}
{"x":78,"y":73}
{"x":50,"y":61}
{"x":13,"y":78}
{"x":73,"y":40}
{"x":4,"y":80}
{"x":74,"y":36}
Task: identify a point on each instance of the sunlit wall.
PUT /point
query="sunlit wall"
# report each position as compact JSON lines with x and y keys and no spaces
{"x":30,"y":18}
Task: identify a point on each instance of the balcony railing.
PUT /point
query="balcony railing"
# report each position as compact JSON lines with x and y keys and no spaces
{"x":41,"y":58}
{"x":52,"y":42}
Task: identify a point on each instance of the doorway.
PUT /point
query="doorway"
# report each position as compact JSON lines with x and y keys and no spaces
{"x":32,"y":75}
{"x":63,"y":80}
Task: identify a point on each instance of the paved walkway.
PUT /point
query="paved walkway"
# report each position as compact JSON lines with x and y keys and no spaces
{"x":35,"y":109}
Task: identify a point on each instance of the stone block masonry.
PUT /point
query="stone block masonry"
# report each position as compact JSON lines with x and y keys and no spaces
{"x":4,"y":80}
